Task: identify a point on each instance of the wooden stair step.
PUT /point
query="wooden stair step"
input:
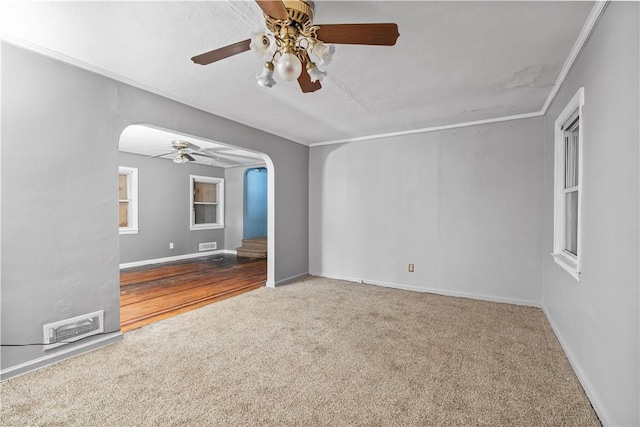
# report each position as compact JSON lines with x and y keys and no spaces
{"x":253,"y":248}
{"x":249,"y":253}
{"x":255,"y":244}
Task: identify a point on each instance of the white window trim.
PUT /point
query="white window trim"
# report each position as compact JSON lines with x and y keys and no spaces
{"x":220,"y":197}
{"x":132,"y":184}
{"x":571,"y":263}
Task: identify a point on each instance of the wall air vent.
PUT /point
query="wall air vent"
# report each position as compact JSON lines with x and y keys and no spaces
{"x":208,"y":246}
{"x":70,"y":330}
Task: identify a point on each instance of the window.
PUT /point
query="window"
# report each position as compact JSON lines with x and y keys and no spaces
{"x":568,"y":186}
{"x":128,"y":200}
{"x":207,"y":202}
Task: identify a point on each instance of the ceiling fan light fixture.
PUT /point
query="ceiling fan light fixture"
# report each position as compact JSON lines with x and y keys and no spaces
{"x":265,"y":79}
{"x":289,"y":67}
{"x":180,"y":159}
{"x":261,"y":44}
{"x":315,"y":73}
{"x":290,"y":39}
{"x":323,"y":52}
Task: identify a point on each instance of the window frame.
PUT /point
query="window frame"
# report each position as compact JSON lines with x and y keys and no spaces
{"x":570,"y":116}
{"x":132,"y":194}
{"x":219,"y":202}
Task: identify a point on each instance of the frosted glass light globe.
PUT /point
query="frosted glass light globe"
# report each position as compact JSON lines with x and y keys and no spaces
{"x":266,"y":78}
{"x":314,"y":73}
{"x":289,"y":67}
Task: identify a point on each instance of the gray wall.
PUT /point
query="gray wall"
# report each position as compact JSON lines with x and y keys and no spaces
{"x":597,"y":318}
{"x":463,"y":205}
{"x":60,"y":196}
{"x":163,"y":210}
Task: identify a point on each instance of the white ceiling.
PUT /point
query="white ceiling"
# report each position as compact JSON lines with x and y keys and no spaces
{"x":454,"y":62}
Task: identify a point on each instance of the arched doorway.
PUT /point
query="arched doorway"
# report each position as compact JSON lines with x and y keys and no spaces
{"x":162,"y":235}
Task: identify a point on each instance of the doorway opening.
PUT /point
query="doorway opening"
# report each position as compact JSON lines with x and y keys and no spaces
{"x":255,"y":215}
{"x":255,"y":203}
{"x":167,"y":250}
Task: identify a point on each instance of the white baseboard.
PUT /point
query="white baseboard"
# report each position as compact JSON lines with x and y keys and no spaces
{"x":287,"y":280}
{"x":66,"y":353}
{"x":176,"y":258}
{"x":596,"y":402}
{"x":446,"y":292}
{"x":336,"y":277}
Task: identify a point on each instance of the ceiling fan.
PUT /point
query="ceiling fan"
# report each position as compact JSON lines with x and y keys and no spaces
{"x":292,"y":40}
{"x":183,"y":151}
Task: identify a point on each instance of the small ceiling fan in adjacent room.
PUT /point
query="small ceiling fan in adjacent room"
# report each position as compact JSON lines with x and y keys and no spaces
{"x":292,"y":43}
{"x":182,"y":151}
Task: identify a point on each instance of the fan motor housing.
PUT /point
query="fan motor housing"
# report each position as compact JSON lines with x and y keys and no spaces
{"x":300,"y":13}
{"x":179,"y":145}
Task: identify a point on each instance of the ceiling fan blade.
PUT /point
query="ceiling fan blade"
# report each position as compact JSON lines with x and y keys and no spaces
{"x":165,"y":154}
{"x":188,"y":157}
{"x":226,"y":158}
{"x":274,"y":9}
{"x":222,"y":53}
{"x":368,"y":34}
{"x":204,"y":155}
{"x":305,"y":82}
{"x":217,"y":159}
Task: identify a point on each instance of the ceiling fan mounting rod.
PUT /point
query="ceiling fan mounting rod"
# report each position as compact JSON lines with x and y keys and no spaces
{"x":289,"y":33}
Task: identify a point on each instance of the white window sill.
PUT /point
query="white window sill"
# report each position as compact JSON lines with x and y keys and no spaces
{"x":129,"y":231}
{"x":206,"y":227}
{"x":570,"y":265}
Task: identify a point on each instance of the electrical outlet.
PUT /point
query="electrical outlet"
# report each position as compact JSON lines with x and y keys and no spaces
{"x":410,"y":268}
{"x":171,"y":245}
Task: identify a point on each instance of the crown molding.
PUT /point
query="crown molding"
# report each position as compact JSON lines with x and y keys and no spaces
{"x":587,"y":29}
{"x":429,"y":129}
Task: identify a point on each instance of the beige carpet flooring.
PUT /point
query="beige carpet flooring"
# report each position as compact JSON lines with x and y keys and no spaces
{"x":317,"y":352}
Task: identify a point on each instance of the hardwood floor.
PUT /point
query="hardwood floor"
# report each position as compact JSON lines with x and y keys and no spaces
{"x":155,"y":292}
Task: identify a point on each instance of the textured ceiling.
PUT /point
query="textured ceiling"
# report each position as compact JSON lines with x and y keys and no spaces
{"x":454,"y":62}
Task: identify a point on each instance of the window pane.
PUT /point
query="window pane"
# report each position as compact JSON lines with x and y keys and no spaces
{"x":205,"y":214}
{"x":124,"y":214}
{"x":574,"y":138}
{"x":122,"y":187}
{"x":204,"y":192}
{"x":571,"y":223}
{"x":571,"y":157}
